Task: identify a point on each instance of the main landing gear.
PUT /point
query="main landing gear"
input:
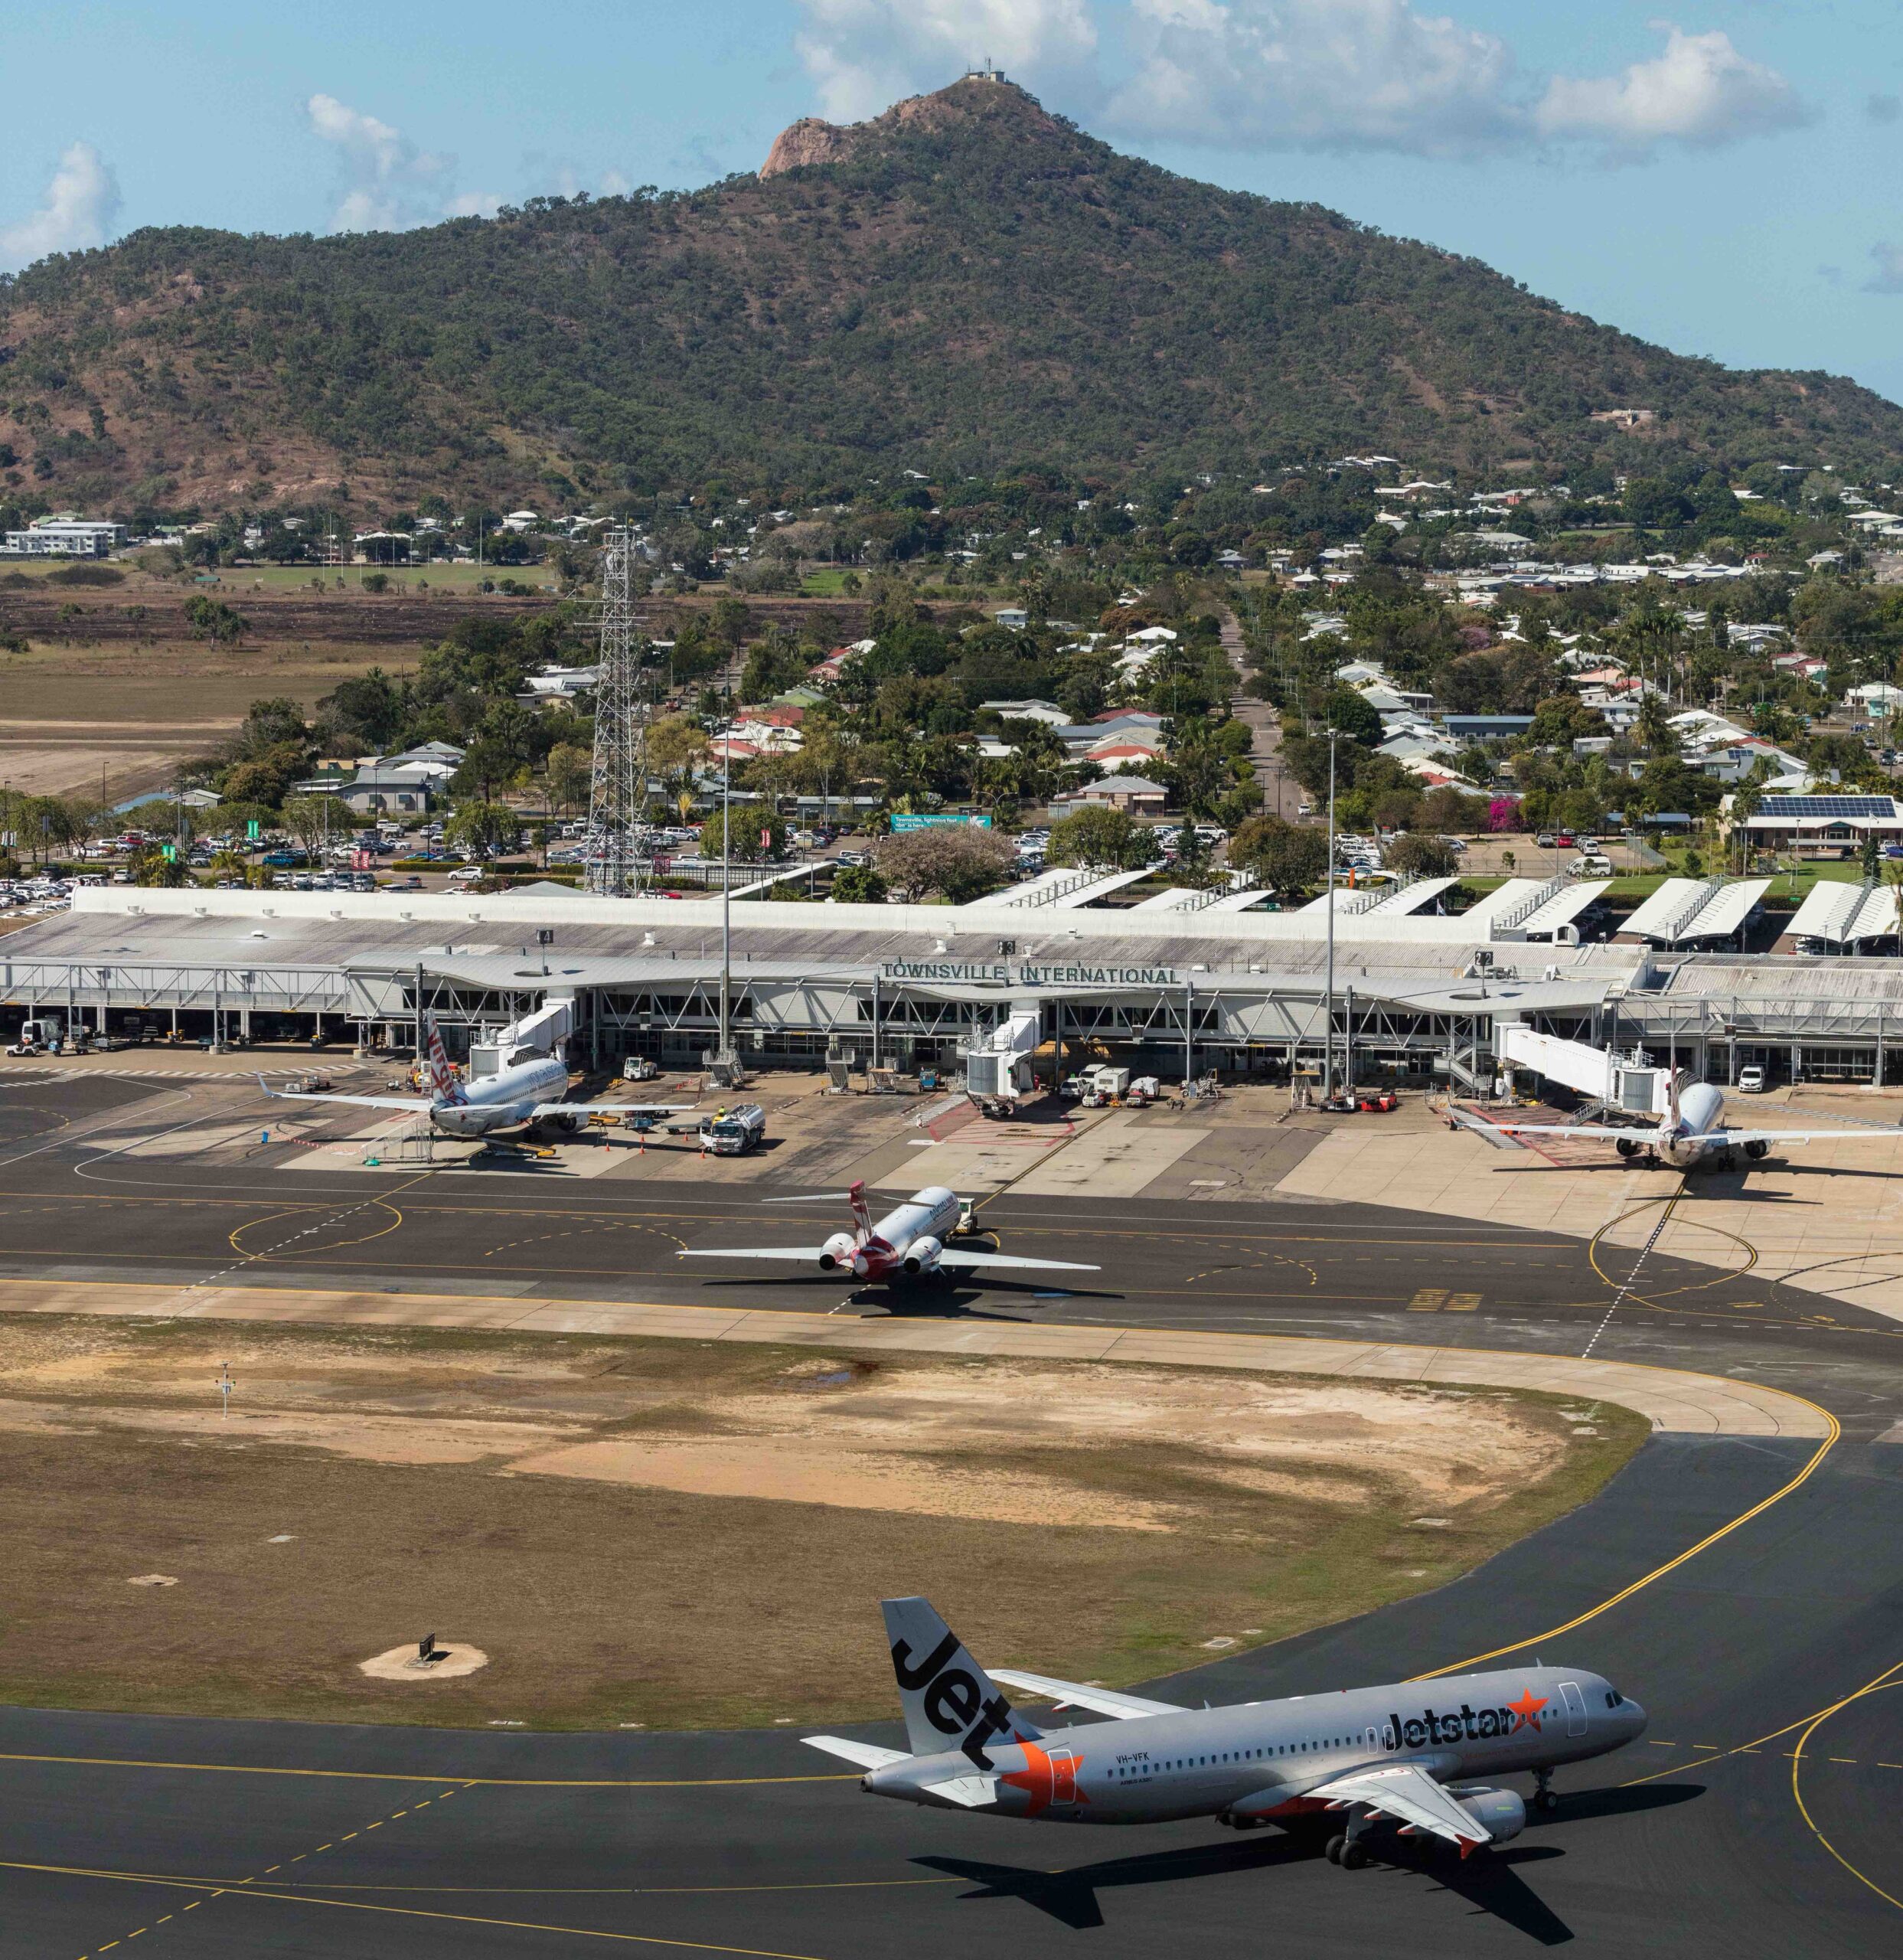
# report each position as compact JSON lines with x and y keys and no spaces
{"x":1544,"y":1796}
{"x":1347,"y":1852}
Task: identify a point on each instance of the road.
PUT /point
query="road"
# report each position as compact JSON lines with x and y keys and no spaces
{"x":1757,"y":1817}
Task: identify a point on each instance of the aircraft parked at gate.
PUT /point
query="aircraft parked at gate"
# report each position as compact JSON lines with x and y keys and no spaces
{"x":1691,"y":1135}
{"x":525,"y":1091}
{"x":910,"y":1243}
{"x":1398,"y":1754}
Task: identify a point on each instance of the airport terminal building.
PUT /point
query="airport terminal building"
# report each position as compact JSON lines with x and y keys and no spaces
{"x":1176,"y":990}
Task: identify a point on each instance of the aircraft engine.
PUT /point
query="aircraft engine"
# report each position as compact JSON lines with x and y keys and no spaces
{"x":1503,"y":1812}
{"x":569,"y":1125}
{"x":1627,"y":1148}
{"x":842,"y":1249}
{"x":922,"y":1256}
{"x":1757,"y":1150}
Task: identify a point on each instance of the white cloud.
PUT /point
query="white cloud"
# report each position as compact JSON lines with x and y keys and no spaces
{"x":470,"y":203}
{"x":1317,"y":75}
{"x":387,"y":184}
{"x":1700,"y":90}
{"x":865,"y":54}
{"x":1889,"y":275}
{"x":1265,"y":75}
{"x":81,"y":202}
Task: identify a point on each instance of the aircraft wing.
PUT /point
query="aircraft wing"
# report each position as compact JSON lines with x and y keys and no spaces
{"x":611,"y":1109}
{"x":1075,"y":1695}
{"x":868,"y":1755}
{"x":1570,"y":1129}
{"x":1407,"y":1791}
{"x":331,"y":1095}
{"x":752,"y":1252}
{"x":956,"y":1256}
{"x":1738,"y":1139}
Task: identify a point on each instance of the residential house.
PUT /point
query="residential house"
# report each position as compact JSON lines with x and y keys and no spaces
{"x":1047,"y":712}
{"x":1135,"y":794}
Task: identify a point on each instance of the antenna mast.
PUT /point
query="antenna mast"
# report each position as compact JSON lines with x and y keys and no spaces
{"x":618,"y":787}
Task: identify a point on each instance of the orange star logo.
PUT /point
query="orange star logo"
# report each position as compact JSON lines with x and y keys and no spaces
{"x":1526,"y":1710}
{"x":1046,"y":1779}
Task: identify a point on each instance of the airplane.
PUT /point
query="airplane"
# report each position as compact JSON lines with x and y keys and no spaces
{"x":525,"y":1091}
{"x":1405,"y":1755}
{"x":910,"y":1242}
{"x":1690,"y":1136}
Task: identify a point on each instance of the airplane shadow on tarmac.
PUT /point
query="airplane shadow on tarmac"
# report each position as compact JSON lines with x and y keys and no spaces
{"x":932,"y":1303}
{"x":1493,"y":1884}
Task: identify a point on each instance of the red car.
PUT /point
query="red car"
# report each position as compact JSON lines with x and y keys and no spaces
{"x":1562,"y":842}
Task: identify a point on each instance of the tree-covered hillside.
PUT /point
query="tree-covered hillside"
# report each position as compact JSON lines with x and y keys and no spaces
{"x":964,"y":285}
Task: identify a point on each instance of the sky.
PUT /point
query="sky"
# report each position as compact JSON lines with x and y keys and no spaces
{"x":1723,"y":178}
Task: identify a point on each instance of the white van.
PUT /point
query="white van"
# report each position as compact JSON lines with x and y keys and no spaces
{"x":1591,"y":864}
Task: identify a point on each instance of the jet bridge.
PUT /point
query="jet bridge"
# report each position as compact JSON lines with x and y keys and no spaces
{"x":996,"y":1067}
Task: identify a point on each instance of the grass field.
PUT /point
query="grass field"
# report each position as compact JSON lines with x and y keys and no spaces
{"x":454,"y":579}
{"x":674,"y":1533}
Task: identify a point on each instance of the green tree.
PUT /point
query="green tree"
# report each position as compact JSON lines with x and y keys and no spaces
{"x":570,"y":775}
{"x":479,"y":827}
{"x":314,"y":822}
{"x":859,"y":884}
{"x":758,"y":835}
{"x":1288,"y":859}
{"x":1421,"y":856}
{"x":1097,"y":839}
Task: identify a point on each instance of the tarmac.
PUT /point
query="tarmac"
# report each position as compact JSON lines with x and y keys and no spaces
{"x":1739,"y":1577}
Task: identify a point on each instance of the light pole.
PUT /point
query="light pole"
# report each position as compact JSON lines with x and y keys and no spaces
{"x":727,"y":888}
{"x":1328,"y":1025}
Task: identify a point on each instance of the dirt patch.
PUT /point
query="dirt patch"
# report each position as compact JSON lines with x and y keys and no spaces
{"x":612,"y":1520}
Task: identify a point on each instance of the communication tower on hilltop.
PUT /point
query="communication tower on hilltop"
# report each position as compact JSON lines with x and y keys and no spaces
{"x":617,"y":790}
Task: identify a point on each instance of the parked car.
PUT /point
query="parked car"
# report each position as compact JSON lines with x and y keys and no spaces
{"x":1751,"y":1081}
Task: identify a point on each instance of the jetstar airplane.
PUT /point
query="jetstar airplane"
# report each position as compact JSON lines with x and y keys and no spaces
{"x":910,"y":1243}
{"x":526,"y":1092}
{"x":1404,"y":1755}
{"x":1691,"y":1136}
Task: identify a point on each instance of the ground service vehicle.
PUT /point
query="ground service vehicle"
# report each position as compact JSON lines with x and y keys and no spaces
{"x":731,"y":1133}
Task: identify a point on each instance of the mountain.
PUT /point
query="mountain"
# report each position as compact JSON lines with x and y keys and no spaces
{"x":964,"y":285}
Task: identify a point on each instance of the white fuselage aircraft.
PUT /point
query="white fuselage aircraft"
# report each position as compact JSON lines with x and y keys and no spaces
{"x":1402,"y":1754}
{"x":912,"y":1242}
{"x":1692,"y":1135}
{"x":523,"y":1091}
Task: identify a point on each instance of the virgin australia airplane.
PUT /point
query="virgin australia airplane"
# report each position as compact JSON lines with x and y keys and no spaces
{"x":525,"y":1091}
{"x":1692,"y":1136}
{"x":1405,"y":1755}
{"x":910,"y":1242}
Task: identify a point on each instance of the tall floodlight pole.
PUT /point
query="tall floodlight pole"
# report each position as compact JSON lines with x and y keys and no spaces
{"x":726,"y":1053}
{"x":619,"y":779}
{"x":1328,"y":1024}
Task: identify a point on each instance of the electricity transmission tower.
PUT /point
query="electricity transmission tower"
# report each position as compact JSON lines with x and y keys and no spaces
{"x":618,"y":787}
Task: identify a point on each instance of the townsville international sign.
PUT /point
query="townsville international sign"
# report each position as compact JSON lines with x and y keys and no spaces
{"x":1005,"y":973}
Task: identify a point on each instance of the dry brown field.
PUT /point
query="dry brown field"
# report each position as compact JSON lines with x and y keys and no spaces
{"x":671,"y":1532}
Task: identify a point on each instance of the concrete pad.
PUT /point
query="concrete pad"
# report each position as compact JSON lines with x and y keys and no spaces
{"x":1119,"y":1157}
{"x":1830,"y":1220}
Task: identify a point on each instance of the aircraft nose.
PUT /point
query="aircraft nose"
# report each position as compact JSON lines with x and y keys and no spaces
{"x":1636,"y":1717}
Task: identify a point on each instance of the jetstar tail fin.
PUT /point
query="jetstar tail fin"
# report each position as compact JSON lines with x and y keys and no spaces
{"x":950,"y":1702}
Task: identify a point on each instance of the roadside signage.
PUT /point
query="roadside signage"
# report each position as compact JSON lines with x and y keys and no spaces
{"x":899,"y":823}
{"x":251,"y":829}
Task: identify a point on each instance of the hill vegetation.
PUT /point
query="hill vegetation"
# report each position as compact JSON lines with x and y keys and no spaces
{"x":965,"y":286}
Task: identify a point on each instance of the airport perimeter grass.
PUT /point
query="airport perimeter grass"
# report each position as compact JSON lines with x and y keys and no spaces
{"x":601,"y":1604}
